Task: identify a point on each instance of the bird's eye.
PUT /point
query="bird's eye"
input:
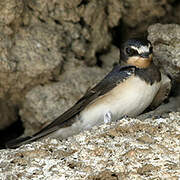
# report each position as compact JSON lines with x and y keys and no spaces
{"x":131,"y":52}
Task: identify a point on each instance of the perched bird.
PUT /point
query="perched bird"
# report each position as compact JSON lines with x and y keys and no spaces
{"x":126,"y":91}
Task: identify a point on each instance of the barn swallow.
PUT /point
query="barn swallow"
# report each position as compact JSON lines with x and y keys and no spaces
{"x":126,"y":91}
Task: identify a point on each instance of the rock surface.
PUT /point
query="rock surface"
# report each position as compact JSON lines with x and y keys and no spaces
{"x":166,"y":43}
{"x":128,"y":149}
{"x":139,"y":11}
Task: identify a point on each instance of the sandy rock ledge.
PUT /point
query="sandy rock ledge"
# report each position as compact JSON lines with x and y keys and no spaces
{"x":128,"y":149}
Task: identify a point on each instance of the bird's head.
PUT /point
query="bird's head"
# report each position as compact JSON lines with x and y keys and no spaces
{"x":137,"y":52}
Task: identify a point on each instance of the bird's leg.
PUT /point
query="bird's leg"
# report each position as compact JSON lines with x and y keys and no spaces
{"x":107,"y":117}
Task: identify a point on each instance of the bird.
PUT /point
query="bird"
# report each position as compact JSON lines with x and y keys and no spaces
{"x":127,"y":90}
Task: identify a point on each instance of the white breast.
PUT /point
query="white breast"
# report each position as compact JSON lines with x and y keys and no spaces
{"x":129,"y":98}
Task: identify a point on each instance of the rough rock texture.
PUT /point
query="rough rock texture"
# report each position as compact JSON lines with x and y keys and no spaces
{"x":138,"y":15}
{"x":166,"y":43}
{"x":129,"y":149}
{"x":85,"y":24}
{"x":10,"y":17}
{"x":33,"y":59}
{"x":141,"y":11}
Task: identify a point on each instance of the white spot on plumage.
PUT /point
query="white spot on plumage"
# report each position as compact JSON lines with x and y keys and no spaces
{"x":107,"y":117}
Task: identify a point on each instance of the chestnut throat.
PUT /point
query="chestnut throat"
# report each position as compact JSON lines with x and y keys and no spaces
{"x":140,"y":62}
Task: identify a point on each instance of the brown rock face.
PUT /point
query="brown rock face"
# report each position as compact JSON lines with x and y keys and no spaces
{"x":33,"y":59}
{"x":140,"y":12}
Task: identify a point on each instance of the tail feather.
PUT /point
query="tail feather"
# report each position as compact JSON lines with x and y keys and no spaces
{"x":18,"y":142}
{"x":15,"y":143}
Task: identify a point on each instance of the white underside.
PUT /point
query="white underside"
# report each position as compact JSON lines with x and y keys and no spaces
{"x":129,"y":98}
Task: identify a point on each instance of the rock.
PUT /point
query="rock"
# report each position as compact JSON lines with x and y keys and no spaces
{"x":32,"y":60}
{"x":139,"y":15}
{"x":110,"y":58}
{"x":80,"y":28}
{"x":106,"y":174}
{"x":145,"y":139}
{"x":166,"y":43}
{"x":85,"y":23}
{"x":141,"y":149}
{"x":39,"y":36}
{"x":10,"y":17}
{"x":147,"y":169}
{"x":45,"y":103}
{"x":138,"y":12}
{"x":94,"y":15}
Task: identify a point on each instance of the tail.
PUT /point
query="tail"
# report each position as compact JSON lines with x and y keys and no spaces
{"x":15,"y":143}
